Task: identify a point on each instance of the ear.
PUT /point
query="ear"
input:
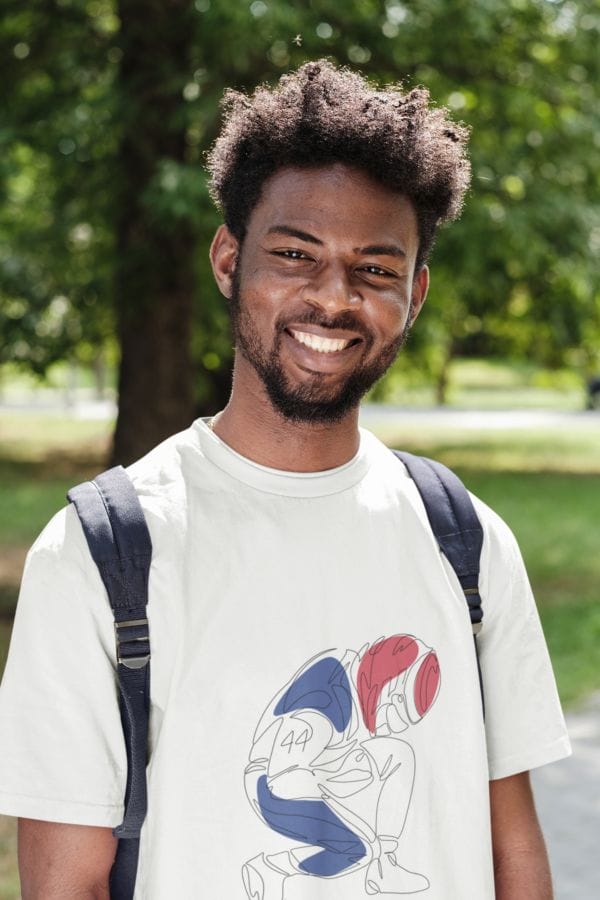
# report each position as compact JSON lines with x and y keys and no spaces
{"x":224,"y":252}
{"x":420,"y":286}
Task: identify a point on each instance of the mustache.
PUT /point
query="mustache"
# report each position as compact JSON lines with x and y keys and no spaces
{"x":344,"y":320}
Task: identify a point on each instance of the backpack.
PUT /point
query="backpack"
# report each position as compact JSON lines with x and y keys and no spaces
{"x":119,"y":542}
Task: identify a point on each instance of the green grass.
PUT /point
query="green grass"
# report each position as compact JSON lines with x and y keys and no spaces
{"x":488,"y":384}
{"x":488,"y":397}
{"x":29,"y":501}
{"x":544,"y":483}
{"x":546,"y":486}
{"x":9,"y":879}
{"x":49,"y":438}
{"x":573,"y":450}
{"x":555,"y":519}
{"x":41,"y":457}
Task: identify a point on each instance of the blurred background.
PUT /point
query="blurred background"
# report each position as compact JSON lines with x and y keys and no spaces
{"x":113,"y":335}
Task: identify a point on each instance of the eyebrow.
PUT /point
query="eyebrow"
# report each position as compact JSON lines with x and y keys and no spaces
{"x":295,"y":232}
{"x":380,"y":250}
{"x":370,"y":250}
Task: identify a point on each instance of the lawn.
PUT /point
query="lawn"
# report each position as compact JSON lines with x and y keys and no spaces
{"x":41,"y":457}
{"x":547,"y":488}
{"x":9,"y":880}
{"x":543,"y":482}
{"x":487,"y":384}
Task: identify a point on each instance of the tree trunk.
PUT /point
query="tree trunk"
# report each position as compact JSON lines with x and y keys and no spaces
{"x":443,"y":376}
{"x":154,"y":281}
{"x":99,"y":372}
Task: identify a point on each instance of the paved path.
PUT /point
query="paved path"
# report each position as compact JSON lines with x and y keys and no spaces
{"x":477,"y":419}
{"x":53,"y":403}
{"x":568,"y":801}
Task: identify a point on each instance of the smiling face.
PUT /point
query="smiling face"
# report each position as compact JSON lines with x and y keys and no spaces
{"x":324,"y":290}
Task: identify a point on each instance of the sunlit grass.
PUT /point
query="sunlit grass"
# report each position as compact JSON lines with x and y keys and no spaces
{"x":35,"y":436}
{"x":572,"y":450}
{"x":9,"y":879}
{"x":41,"y":456}
{"x":487,"y":384}
{"x":543,"y":482}
{"x":545,"y":485}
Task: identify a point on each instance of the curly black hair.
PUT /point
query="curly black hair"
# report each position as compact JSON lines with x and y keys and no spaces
{"x":320,"y":115}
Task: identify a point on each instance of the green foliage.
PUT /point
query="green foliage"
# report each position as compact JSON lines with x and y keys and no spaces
{"x":57,"y":66}
{"x":515,"y":275}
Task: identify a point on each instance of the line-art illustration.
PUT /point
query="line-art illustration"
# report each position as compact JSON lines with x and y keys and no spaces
{"x":329,"y":771}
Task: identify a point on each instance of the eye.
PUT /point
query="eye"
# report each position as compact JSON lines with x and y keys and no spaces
{"x":378,"y":271}
{"x":290,"y":254}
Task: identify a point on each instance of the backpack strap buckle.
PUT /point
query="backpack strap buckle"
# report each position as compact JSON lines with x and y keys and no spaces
{"x":132,"y":640}
{"x":475,"y":611}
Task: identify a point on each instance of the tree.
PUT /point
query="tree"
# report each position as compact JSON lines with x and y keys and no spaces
{"x":107,"y":219}
{"x":56,"y":241}
{"x":154,"y":283}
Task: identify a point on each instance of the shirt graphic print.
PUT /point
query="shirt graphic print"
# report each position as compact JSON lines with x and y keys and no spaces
{"x":329,"y":771}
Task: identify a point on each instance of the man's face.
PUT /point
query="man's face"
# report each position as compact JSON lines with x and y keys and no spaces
{"x":323,"y":294}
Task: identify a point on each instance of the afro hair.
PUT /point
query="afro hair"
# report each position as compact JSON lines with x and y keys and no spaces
{"x":319,"y":115}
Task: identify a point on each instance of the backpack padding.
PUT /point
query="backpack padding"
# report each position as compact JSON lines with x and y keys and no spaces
{"x":456,"y":528}
{"x":118,"y":539}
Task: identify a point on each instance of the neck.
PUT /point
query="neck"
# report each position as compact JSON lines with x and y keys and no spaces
{"x":251,"y":426}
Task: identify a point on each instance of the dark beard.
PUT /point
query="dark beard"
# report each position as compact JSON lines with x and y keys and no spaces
{"x":316,"y":401}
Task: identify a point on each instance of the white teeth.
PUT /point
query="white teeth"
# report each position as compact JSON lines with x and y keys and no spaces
{"x":321,"y":344}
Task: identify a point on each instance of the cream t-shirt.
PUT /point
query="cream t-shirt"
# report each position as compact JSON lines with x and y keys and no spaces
{"x":316,"y":724}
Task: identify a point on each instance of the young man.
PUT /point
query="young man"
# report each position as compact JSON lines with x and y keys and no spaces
{"x":316,"y":722}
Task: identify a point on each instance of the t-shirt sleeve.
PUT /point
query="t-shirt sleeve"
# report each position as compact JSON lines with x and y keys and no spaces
{"x":63,"y":755}
{"x":524,"y":723}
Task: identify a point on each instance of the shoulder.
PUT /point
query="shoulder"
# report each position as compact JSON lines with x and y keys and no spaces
{"x":501,"y":564}
{"x":159,"y":479}
{"x":387,"y":469}
{"x":160,"y":475}
{"x":499,"y":541}
{"x":61,"y":540}
{"x":503,"y":569}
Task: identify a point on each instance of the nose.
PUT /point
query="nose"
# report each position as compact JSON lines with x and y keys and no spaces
{"x":331,"y":290}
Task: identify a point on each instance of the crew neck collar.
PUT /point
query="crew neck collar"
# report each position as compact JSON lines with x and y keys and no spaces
{"x":279,"y":481}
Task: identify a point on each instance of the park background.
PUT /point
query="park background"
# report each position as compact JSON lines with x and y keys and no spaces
{"x":113,"y":336}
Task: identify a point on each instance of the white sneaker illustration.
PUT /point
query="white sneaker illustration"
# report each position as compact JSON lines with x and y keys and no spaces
{"x":386,"y":876}
{"x":262,"y":882}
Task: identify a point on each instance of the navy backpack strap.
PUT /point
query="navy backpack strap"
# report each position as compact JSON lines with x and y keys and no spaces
{"x":116,"y":533}
{"x":456,"y":528}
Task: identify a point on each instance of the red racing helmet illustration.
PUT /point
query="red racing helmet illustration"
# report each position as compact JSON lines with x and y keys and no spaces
{"x":398,"y":680}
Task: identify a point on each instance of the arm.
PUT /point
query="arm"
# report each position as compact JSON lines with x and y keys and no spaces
{"x":521,"y":867}
{"x":64,"y":862}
